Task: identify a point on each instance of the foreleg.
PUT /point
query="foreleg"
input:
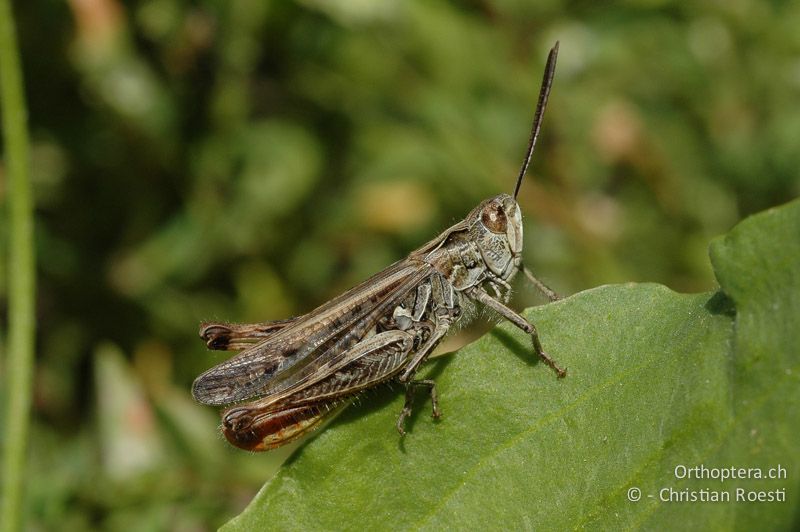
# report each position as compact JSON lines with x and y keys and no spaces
{"x":543,"y":288}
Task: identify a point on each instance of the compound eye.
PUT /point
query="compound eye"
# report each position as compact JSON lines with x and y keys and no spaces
{"x":494,"y":218}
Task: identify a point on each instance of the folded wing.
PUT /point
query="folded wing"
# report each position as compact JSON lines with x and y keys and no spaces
{"x":310,"y":343}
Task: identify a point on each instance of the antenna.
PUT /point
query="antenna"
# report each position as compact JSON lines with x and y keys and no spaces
{"x":544,"y":92}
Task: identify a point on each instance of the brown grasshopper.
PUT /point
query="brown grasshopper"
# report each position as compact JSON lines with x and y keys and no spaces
{"x":300,"y":370}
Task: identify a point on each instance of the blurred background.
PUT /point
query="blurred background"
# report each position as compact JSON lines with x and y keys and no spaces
{"x":245,"y":160}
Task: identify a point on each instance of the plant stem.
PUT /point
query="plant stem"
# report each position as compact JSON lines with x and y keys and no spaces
{"x":21,"y":276}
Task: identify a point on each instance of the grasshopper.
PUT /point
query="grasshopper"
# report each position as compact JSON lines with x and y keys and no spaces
{"x":297,"y":372}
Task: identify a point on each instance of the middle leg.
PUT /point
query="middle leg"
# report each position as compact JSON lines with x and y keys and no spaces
{"x":411,"y":389}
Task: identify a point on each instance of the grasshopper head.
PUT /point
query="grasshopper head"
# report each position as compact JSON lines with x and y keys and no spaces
{"x":496,"y":224}
{"x":496,"y":227}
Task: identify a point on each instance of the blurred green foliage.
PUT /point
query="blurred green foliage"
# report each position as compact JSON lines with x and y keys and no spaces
{"x":247,"y":160}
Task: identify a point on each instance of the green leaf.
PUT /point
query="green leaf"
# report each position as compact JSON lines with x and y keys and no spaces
{"x":657,"y":380}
